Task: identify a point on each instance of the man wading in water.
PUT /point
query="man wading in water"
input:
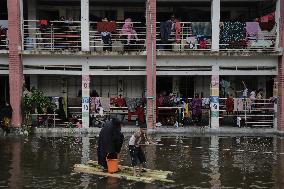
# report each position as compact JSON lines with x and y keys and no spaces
{"x":110,"y":142}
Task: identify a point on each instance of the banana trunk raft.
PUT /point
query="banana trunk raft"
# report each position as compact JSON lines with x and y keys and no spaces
{"x":125,"y":172}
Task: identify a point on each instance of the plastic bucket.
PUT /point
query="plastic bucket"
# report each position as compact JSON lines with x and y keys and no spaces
{"x":112,"y":165}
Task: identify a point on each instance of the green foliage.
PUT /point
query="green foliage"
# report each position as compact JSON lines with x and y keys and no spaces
{"x":36,"y":100}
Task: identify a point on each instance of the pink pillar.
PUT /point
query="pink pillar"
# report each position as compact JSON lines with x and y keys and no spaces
{"x":15,"y":60}
{"x":151,"y":63}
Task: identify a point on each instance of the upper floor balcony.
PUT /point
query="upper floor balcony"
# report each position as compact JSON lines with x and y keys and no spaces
{"x":65,"y":35}
{"x":112,"y":28}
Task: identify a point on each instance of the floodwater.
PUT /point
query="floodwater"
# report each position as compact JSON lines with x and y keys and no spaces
{"x":196,"y":162}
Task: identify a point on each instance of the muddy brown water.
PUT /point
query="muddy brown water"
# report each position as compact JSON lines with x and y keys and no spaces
{"x":196,"y":162}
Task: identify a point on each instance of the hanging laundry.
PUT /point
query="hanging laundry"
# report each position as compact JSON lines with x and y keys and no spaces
{"x":233,"y":33}
{"x":225,"y":86}
{"x":267,"y":22}
{"x":229,"y":105}
{"x":262,"y":43}
{"x":201,"y":28}
{"x":205,"y":101}
{"x":202,"y":44}
{"x":105,"y":102}
{"x":106,"y":26}
{"x":252,"y":29}
{"x":238,"y":105}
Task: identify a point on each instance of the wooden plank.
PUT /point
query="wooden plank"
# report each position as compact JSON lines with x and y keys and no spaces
{"x":123,"y":174}
{"x":149,"y":171}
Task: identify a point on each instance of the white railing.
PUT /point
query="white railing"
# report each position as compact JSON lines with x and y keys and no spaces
{"x":186,"y":39}
{"x":252,"y":113}
{"x":118,"y":42}
{"x":261,"y":40}
{"x":61,"y":35}
{"x":3,"y":42}
{"x":51,"y":35}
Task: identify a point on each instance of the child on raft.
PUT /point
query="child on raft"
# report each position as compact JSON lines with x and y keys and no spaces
{"x":136,"y":141}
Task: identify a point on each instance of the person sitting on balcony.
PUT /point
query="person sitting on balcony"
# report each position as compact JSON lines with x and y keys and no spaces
{"x":106,"y":37}
{"x":128,"y":31}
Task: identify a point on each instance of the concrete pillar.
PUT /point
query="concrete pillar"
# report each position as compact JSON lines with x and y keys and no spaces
{"x":85,"y":96}
{"x":85,"y":26}
{"x":214,"y":100}
{"x":280,"y":112}
{"x":15,"y":60}
{"x":215,"y":20}
{"x":151,"y":62}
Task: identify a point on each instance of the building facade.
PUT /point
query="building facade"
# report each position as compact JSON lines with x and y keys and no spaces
{"x":216,"y":48}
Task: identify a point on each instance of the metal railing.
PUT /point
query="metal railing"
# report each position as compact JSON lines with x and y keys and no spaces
{"x":191,"y":36}
{"x":250,"y":113}
{"x":51,"y":35}
{"x":186,"y":39}
{"x":3,"y":42}
{"x":238,"y":38}
{"x":118,"y":41}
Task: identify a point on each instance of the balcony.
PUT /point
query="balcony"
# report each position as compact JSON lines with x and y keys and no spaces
{"x":117,"y":36}
{"x":3,"y":35}
{"x":190,"y":37}
{"x":43,"y":35}
{"x":248,"y":36}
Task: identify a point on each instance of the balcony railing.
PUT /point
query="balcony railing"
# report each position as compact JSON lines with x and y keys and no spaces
{"x":51,"y":35}
{"x":3,"y":39}
{"x":117,"y":37}
{"x":249,"y":36}
{"x":189,"y":36}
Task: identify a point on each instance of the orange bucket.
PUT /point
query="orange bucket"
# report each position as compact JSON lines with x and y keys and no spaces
{"x":112,"y":165}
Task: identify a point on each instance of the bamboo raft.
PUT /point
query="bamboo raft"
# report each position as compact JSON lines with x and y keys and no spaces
{"x":125,"y":172}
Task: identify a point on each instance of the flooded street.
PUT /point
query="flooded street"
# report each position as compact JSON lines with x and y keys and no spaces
{"x":196,"y":162}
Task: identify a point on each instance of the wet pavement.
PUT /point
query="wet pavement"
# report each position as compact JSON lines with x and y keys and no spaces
{"x":196,"y":162}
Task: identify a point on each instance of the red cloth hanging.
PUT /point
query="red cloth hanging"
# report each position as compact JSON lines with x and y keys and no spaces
{"x":202,"y":44}
{"x":106,"y":26}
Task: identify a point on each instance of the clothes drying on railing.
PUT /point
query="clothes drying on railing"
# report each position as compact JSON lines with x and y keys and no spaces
{"x":252,"y":29}
{"x":106,"y":26}
{"x":233,"y":33}
{"x":117,"y":102}
{"x":136,"y":107}
{"x":201,"y":28}
{"x":229,"y":105}
{"x":133,"y":103}
{"x":267,"y":22}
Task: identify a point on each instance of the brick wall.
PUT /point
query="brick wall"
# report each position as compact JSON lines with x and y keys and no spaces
{"x":151,"y":62}
{"x":15,"y":60}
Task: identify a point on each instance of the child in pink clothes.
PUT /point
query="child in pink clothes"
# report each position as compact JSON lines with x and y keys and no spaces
{"x":127,"y":30}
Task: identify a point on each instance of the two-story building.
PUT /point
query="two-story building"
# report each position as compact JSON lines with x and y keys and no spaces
{"x":142,"y":49}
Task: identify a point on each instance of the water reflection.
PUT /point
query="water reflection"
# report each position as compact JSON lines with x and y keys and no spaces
{"x":197,"y":162}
